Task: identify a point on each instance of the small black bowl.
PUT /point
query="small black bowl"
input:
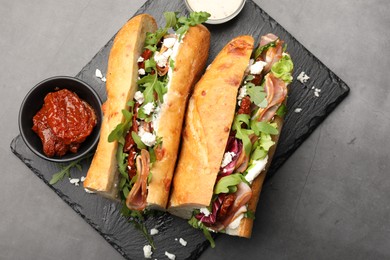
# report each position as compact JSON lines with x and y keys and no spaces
{"x":33,"y":102}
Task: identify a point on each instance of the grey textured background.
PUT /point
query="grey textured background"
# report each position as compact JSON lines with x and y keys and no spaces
{"x":330,"y":200}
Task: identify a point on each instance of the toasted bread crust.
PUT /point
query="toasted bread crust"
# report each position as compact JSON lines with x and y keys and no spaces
{"x":189,"y":65}
{"x":207,"y":125}
{"x":122,"y":74}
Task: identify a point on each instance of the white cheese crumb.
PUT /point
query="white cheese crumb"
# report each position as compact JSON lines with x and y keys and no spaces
{"x":74,"y":181}
{"x":89,"y":191}
{"x":242,"y":93}
{"x":98,"y":74}
{"x":170,"y":256}
{"x":139,"y":97}
{"x":148,"y":108}
{"x":104,"y":79}
{"x":227,"y":158}
{"x":257,"y":68}
{"x":302,"y":77}
{"x":148,"y":251}
{"x":140,"y":59}
{"x":141,"y":72}
{"x":153,"y":231}
{"x":205,"y":211}
{"x":182,"y":242}
{"x":148,"y":139}
{"x":175,"y":238}
{"x":82,"y":179}
{"x":298,"y":110}
{"x":316,"y":91}
{"x":169,"y":42}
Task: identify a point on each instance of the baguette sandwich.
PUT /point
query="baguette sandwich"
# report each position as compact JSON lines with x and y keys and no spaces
{"x":150,"y":74}
{"x":232,"y":125}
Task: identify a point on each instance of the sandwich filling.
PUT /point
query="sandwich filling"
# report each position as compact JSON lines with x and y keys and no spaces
{"x":139,"y":145}
{"x":260,"y":98}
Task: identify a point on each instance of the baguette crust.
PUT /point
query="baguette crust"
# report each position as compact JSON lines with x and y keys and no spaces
{"x":189,"y":64}
{"x":246,"y":224}
{"x":122,"y":74}
{"x":208,"y":120}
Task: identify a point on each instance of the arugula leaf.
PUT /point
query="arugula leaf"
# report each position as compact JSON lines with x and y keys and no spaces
{"x":249,"y":214}
{"x":65,"y":171}
{"x":257,"y":94}
{"x":243,"y":134}
{"x":228,"y":184}
{"x":260,"y":50}
{"x":184,"y":23}
{"x":282,"y":110}
{"x":283,"y":68}
{"x":258,"y":153}
{"x":170,"y":18}
{"x":137,"y":140}
{"x":121,"y":129}
{"x":199,"y":225}
{"x":266,"y":141}
{"x":121,"y":158}
{"x":263,"y":127}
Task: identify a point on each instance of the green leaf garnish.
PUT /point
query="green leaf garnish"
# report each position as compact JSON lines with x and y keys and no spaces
{"x":282,"y":110}
{"x":228,"y":184}
{"x":263,"y":127}
{"x":121,"y":129}
{"x":257,"y":95}
{"x":260,"y":50}
{"x":283,"y":68}
{"x":65,"y":171}
{"x":249,"y":214}
{"x":199,"y":225}
{"x":243,"y":134}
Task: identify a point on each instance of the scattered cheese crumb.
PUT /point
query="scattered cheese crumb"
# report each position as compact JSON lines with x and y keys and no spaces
{"x":169,"y":42}
{"x":258,"y":67}
{"x":148,"y":139}
{"x":242,"y":93}
{"x":316,"y":91}
{"x":227,"y":158}
{"x":175,"y":238}
{"x":139,"y":97}
{"x":82,"y":179}
{"x":148,"y":108}
{"x":148,"y":251}
{"x":89,"y":191}
{"x":104,"y":79}
{"x":182,"y":242}
{"x":98,"y":74}
{"x":153,"y":231}
{"x":170,"y":256}
{"x":302,"y":77}
{"x":141,"y":72}
{"x":140,"y":59}
{"x":298,"y":110}
{"x":74,"y":181}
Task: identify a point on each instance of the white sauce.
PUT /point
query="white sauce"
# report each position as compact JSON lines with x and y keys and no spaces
{"x":218,"y":9}
{"x":255,"y":169}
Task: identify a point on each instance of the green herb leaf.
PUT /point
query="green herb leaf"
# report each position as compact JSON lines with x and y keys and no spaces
{"x":260,"y":50}
{"x":121,"y":129}
{"x":263,"y":127}
{"x":257,"y":94}
{"x":199,"y":225}
{"x":65,"y":171}
{"x":258,"y":153}
{"x":249,"y":214}
{"x":266,"y":141}
{"x":228,"y":184}
{"x":243,"y":134}
{"x":137,"y":140}
{"x":170,"y":18}
{"x":282,"y":110}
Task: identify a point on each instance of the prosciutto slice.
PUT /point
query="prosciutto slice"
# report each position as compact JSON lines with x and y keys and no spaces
{"x":276,"y":90}
{"x":272,"y":54}
{"x":136,"y":200}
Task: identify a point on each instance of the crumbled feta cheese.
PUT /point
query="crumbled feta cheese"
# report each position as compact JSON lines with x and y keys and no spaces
{"x":98,"y":74}
{"x":205,"y":211}
{"x":170,"y":256}
{"x":74,"y":181}
{"x":242,"y":93}
{"x":298,"y":110}
{"x":148,"y":139}
{"x":227,"y":158}
{"x":148,"y":251}
{"x":182,"y":242}
{"x":156,"y":117}
{"x":141,"y":72}
{"x":104,"y":79}
{"x":153,"y":231}
{"x":302,"y":77}
{"x":316,"y":91}
{"x":82,"y":179}
{"x":139,"y":97}
{"x":257,"y":68}
{"x":169,"y":42}
{"x":176,"y":239}
{"x":140,"y":59}
{"x":89,"y":191}
{"x":148,"y":108}
{"x":160,"y":59}
{"x":255,"y":169}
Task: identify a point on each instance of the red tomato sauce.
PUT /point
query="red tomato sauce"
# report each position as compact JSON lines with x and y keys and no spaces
{"x":63,"y":123}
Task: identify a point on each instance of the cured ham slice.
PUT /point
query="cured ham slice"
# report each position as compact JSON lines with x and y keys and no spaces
{"x":136,"y":200}
{"x":272,"y":54}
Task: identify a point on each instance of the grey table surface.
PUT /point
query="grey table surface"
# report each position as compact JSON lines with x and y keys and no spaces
{"x":330,"y":200}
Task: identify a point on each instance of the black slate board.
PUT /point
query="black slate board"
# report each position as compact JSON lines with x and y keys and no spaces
{"x":104,"y":215}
